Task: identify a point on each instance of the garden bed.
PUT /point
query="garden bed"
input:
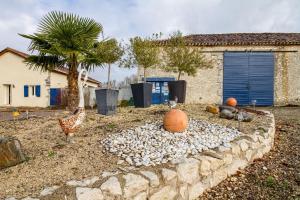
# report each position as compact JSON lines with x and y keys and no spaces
{"x":51,"y":161}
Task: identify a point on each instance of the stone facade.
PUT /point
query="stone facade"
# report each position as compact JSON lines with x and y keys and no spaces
{"x":185,"y":180}
{"x":207,"y":85}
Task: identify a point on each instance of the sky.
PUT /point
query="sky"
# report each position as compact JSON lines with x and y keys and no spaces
{"x":123,"y":19}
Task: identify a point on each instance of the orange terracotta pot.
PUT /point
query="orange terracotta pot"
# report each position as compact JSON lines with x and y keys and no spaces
{"x":175,"y":121}
{"x":231,"y":102}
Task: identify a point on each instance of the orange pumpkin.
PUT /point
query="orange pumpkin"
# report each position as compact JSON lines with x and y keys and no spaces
{"x":175,"y":121}
{"x":231,"y":102}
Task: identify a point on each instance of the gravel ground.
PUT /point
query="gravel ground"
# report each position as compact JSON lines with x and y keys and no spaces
{"x":51,"y":161}
{"x":151,"y":144}
{"x":277,"y":174}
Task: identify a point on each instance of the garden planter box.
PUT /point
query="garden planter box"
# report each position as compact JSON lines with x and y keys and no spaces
{"x":142,"y":94}
{"x":177,"y":89}
{"x":107,"y":101}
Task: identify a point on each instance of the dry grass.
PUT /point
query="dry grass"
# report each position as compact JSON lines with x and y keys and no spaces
{"x":51,"y":161}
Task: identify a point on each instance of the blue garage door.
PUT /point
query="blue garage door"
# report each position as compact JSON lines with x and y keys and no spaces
{"x":249,"y":77}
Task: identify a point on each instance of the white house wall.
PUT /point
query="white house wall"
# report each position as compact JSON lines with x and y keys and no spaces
{"x":14,"y":72}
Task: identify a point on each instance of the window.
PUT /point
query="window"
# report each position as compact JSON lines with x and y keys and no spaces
{"x":32,"y":90}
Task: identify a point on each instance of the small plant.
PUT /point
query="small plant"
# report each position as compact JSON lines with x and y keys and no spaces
{"x":270,"y":181}
{"x":285,"y":184}
{"x":27,"y":158}
{"x":124,"y":103}
{"x":111,"y":126}
{"x":51,"y":154}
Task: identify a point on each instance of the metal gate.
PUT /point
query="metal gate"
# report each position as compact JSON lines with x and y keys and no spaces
{"x":249,"y":77}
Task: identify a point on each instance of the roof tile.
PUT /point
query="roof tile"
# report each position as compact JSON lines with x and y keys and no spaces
{"x":241,"y":39}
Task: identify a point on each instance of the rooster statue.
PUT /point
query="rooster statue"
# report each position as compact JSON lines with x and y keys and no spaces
{"x":71,"y":124}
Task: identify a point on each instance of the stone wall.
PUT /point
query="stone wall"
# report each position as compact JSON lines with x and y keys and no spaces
{"x":207,"y":85}
{"x":186,"y":179}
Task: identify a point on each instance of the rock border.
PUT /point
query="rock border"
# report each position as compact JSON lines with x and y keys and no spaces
{"x":185,"y":180}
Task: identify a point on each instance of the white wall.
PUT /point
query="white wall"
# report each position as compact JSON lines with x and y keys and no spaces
{"x":13,"y":71}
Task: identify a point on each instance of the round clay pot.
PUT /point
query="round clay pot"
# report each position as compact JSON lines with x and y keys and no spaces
{"x":231,"y":102}
{"x":175,"y":121}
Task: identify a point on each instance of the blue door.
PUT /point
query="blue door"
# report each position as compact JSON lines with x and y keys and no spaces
{"x":55,"y":96}
{"x":249,"y":77}
{"x":160,"y":90}
{"x":156,"y":93}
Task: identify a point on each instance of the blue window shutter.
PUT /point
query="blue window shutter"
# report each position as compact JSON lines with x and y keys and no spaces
{"x":25,"y":90}
{"x":38,"y":90}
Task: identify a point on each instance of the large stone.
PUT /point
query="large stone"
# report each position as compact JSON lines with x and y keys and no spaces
{"x":195,"y":190}
{"x":214,"y":162}
{"x":30,"y":198}
{"x":204,"y":167}
{"x":166,"y":193}
{"x":235,"y":166}
{"x":244,"y":116}
{"x":258,"y":153}
{"x":248,"y":155}
{"x":223,"y":149}
{"x":228,"y":158}
{"x":226,"y":114}
{"x":266,"y":148}
{"x":84,"y":182}
{"x":107,"y":174}
{"x":255,"y":145}
{"x":235,"y":149}
{"x":218,"y":176}
{"x":84,"y":193}
{"x":153,"y":178}
{"x":188,"y":172}
{"x":244,"y":146}
{"x":10,"y":152}
{"x":183,"y":192}
{"x":168,"y":174}
{"x":213,"y":154}
{"x":112,"y":186}
{"x":141,"y":196}
{"x":212,"y":109}
{"x":134,"y":184}
{"x":49,"y":190}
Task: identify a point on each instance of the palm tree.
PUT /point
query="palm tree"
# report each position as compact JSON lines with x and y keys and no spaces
{"x":69,"y":41}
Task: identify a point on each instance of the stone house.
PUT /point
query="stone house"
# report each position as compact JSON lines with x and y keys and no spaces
{"x":261,"y":68}
{"x":21,"y":86}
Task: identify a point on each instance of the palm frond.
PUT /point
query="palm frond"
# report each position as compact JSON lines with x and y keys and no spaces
{"x":71,"y":30}
{"x":44,"y":62}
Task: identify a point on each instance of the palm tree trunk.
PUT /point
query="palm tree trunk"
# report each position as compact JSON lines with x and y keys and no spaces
{"x":73,"y":87}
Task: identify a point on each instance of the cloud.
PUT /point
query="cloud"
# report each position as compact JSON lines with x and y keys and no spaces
{"x":127,"y":18}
